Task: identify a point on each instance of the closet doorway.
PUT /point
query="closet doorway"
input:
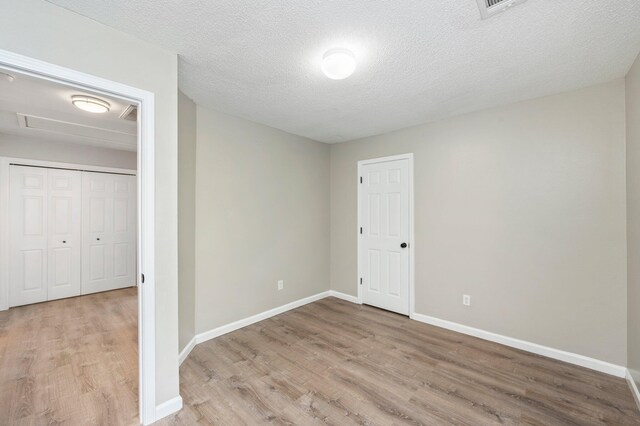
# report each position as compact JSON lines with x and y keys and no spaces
{"x":127,"y":386}
{"x":72,"y":232}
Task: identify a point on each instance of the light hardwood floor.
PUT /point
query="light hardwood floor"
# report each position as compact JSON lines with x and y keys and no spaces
{"x":74,"y":361}
{"x":333,"y":362}
{"x":71,"y":361}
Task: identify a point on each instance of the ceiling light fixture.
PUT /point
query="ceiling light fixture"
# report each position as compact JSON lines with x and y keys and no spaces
{"x":7,"y":77}
{"x":338,"y":64}
{"x":90,"y":104}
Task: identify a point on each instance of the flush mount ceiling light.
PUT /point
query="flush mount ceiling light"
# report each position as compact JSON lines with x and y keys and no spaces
{"x":90,"y":104}
{"x":338,"y":64}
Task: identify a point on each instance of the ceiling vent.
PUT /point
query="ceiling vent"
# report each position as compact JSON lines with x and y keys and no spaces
{"x":130,"y":113}
{"x":488,"y":8}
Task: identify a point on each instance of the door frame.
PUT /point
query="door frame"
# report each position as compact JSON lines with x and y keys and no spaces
{"x":145,"y":101}
{"x":411,"y":241}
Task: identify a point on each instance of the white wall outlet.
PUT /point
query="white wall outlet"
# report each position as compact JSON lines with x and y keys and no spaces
{"x":280,"y":284}
{"x":466,"y":300}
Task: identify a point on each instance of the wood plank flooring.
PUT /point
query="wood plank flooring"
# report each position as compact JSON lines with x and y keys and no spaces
{"x":71,"y":361}
{"x":74,"y":361}
{"x":333,"y":362}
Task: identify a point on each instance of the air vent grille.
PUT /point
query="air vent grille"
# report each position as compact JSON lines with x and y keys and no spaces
{"x":488,"y":8}
{"x":130,"y":113}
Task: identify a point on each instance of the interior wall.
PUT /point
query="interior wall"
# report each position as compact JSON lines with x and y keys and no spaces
{"x":633,"y":218}
{"x":40,"y":30}
{"x":65,"y":152}
{"x":186,"y":218}
{"x":262,"y":215}
{"x":522,"y":207}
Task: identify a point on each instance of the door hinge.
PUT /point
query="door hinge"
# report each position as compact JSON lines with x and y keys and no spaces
{"x":361,"y":229}
{"x":360,"y":281}
{"x":360,"y":179}
{"x":142,"y":278}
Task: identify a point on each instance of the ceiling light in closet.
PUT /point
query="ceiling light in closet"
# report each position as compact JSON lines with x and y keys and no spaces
{"x":90,"y":104}
{"x":338,"y":64}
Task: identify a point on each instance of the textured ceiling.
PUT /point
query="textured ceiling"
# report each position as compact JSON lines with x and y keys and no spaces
{"x":418,"y":60}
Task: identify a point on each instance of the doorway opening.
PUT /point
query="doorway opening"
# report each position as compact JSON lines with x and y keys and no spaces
{"x":77,"y":234}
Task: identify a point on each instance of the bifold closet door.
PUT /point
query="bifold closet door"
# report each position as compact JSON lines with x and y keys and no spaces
{"x":108,"y":231}
{"x":64,"y":233}
{"x":45,"y":234}
{"x":28,"y":235}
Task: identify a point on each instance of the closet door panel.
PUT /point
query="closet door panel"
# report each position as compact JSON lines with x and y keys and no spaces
{"x":109,"y":231}
{"x":124,"y":231}
{"x":97,"y":229}
{"x":28,"y":235}
{"x":64,"y":233}
{"x":97,"y":262}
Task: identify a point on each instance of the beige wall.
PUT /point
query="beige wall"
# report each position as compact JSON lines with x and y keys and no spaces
{"x":49,"y":33}
{"x":262,"y":214}
{"x":65,"y":152}
{"x":633,"y":217}
{"x":186,"y":218}
{"x":523,"y":208}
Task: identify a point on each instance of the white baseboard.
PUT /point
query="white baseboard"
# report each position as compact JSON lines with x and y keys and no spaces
{"x":168,"y":407}
{"x":343,"y":296}
{"x":581,"y":360}
{"x":187,"y":350}
{"x":571,"y":358}
{"x":219,"y":331}
{"x":634,"y":388}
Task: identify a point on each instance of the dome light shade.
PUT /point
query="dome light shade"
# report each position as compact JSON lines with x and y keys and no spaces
{"x":338,"y":64}
{"x":90,"y":104}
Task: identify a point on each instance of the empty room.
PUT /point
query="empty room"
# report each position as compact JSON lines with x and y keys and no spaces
{"x":68,"y":206}
{"x":311,"y":212}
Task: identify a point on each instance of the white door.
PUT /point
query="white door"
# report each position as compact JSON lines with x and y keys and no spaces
{"x":28,"y":235}
{"x":64,"y":233}
{"x":124,"y":230}
{"x":384,"y":234}
{"x":108,"y":231}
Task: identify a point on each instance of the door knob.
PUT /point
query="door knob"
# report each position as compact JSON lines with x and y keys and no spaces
{"x":97,"y":239}
{"x":64,"y":242}
{"x":403,"y":245}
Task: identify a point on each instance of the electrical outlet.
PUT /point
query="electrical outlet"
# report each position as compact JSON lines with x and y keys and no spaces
{"x":280,"y":284}
{"x":466,"y":300}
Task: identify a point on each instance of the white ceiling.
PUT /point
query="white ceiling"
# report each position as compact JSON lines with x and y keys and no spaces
{"x":48,"y":105}
{"x":418,"y":60}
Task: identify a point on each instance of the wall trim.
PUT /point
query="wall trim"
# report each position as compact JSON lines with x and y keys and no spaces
{"x":634,"y":388}
{"x":569,"y":357}
{"x":344,"y":296}
{"x":187,"y":350}
{"x":228,"y":328}
{"x":219,"y":331}
{"x":169,"y":407}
